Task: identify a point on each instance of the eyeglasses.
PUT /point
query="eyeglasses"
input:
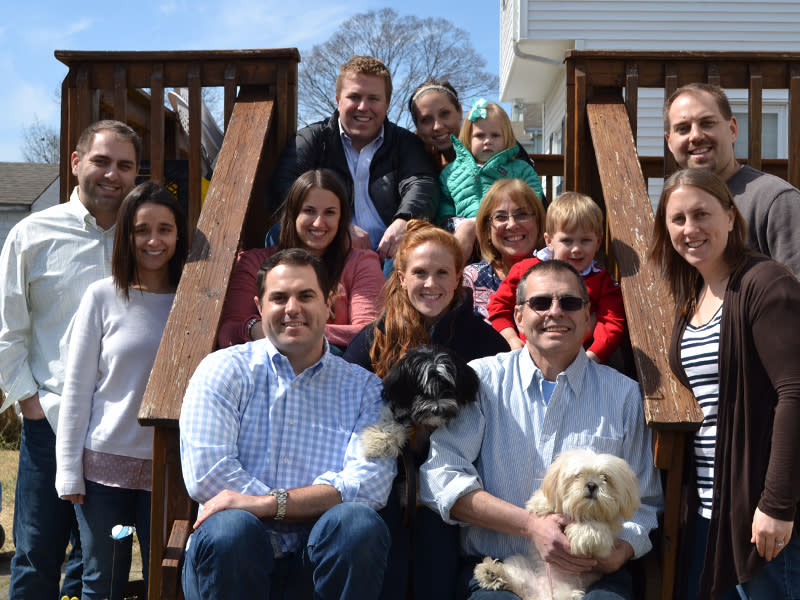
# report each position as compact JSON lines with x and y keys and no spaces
{"x":502,"y":218}
{"x":544,"y":303}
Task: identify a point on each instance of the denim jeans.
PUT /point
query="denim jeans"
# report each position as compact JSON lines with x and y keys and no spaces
{"x":778,"y":580}
{"x":433,"y":565}
{"x":230,"y":556}
{"x":614,"y":586}
{"x":43,"y":523}
{"x":104,"y":507}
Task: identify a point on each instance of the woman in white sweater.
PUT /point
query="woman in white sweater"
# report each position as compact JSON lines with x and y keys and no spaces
{"x":104,"y":457}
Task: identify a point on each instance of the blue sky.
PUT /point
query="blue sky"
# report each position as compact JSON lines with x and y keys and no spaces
{"x":30,"y":33}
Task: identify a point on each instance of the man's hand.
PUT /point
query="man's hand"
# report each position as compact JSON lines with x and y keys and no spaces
{"x":74,"y":498}
{"x":260,"y":506}
{"x":547,"y":533}
{"x":391,"y":239}
{"x":620,"y":554}
{"x":359,"y":238}
{"x":31,"y":409}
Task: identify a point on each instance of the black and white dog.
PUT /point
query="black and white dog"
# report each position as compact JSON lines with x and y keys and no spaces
{"x":425,"y":389}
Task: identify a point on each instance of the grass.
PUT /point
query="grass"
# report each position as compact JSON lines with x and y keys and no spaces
{"x":8,"y":476}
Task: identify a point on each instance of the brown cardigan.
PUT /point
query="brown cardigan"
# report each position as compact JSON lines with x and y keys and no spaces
{"x":757,"y":460}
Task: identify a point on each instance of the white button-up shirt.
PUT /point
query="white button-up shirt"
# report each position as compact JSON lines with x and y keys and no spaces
{"x":47,"y":262}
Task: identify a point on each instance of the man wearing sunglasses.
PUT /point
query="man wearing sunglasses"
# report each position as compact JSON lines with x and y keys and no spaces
{"x":535,"y":403}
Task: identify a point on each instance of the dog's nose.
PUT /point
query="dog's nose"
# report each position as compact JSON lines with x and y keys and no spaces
{"x":591,"y":488}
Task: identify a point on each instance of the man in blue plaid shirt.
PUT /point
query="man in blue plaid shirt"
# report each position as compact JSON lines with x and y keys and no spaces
{"x":270,"y":448}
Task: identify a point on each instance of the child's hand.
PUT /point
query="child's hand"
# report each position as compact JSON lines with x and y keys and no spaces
{"x":593,"y":356}
{"x":512,"y":338}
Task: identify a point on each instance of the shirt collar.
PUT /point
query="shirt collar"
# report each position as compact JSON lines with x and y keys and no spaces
{"x":573,"y":374}
{"x":349,"y":143}
{"x":79,"y":210}
{"x":547,"y":254}
{"x":281,"y":363}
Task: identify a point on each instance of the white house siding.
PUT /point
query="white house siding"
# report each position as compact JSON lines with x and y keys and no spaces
{"x":545,"y":28}
{"x":673,"y":25}
{"x":11,"y":215}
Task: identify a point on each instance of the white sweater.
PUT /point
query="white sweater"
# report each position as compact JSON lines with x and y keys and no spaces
{"x":112,"y":348}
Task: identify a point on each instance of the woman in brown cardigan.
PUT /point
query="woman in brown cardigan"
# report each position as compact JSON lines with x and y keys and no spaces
{"x":735,"y":344}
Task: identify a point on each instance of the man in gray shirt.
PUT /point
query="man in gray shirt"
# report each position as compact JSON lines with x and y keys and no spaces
{"x":700,"y":129}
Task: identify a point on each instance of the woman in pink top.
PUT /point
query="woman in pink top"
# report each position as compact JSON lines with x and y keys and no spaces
{"x":316,"y":217}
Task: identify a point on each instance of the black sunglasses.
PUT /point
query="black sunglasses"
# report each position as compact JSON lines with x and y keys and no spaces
{"x":543,"y":303}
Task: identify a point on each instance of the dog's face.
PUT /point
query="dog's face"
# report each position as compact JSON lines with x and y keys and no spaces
{"x":428,"y":386}
{"x":586,"y":486}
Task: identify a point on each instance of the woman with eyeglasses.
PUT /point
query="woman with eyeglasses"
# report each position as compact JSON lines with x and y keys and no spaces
{"x":425,"y":303}
{"x":735,"y":344}
{"x":510,"y":226}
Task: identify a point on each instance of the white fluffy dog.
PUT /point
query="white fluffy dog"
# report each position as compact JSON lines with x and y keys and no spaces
{"x":596,"y":492}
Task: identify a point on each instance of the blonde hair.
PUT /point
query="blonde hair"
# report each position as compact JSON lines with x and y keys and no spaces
{"x":570,"y":211}
{"x":365,"y":65}
{"x":492,"y":110}
{"x":403,"y":327}
{"x":523,"y":196}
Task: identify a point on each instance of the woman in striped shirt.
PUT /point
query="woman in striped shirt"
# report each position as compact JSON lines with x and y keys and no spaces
{"x":735,"y":345}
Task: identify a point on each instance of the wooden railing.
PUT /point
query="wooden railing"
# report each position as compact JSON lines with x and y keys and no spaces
{"x":260,"y":108}
{"x":600,"y":159}
{"x":130,"y":87}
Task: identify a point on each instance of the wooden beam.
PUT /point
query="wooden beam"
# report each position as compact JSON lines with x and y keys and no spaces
{"x":648,"y":306}
{"x":669,"y":407}
{"x":191,"y":330}
{"x":755,"y":116}
{"x":794,"y":125}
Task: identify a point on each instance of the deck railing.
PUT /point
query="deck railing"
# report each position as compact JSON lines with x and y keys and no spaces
{"x":260,"y":114}
{"x":600,"y":159}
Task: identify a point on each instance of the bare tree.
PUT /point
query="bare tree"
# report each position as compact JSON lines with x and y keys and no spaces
{"x":412,"y":48}
{"x":40,"y":142}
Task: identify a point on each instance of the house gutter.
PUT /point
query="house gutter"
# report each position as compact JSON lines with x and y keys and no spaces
{"x":535,"y":57}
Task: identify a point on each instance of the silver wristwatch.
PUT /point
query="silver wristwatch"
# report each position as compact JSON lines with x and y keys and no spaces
{"x":281,"y":496}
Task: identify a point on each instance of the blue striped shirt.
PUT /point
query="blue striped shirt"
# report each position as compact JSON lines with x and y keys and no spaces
{"x":249,"y":424}
{"x":505,"y":442}
{"x":365,"y":215}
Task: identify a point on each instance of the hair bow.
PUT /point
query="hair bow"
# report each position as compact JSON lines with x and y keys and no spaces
{"x":478,"y":110}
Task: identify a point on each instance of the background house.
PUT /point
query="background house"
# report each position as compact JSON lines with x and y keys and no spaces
{"x":25,"y":188}
{"x":534,"y":35}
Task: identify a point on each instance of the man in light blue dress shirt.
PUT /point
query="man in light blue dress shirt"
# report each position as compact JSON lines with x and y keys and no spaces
{"x":535,"y":403}
{"x":270,"y":448}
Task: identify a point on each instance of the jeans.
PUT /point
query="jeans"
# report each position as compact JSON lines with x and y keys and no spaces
{"x":431,"y":568}
{"x":43,"y":523}
{"x":104,"y":507}
{"x":614,"y":586}
{"x":779,"y":579}
{"x":230,"y":556}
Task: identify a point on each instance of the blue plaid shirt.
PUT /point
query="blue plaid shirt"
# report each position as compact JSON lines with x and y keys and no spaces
{"x":249,"y":424}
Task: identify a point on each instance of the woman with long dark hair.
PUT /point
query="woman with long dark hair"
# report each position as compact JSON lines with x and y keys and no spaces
{"x":315,"y":216}
{"x":104,"y":457}
{"x":735,"y":345}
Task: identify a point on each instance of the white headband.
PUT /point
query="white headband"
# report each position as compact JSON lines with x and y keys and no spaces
{"x":432,"y":86}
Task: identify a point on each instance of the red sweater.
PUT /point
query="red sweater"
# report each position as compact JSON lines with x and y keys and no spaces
{"x":356,"y":302}
{"x":605,"y":300}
